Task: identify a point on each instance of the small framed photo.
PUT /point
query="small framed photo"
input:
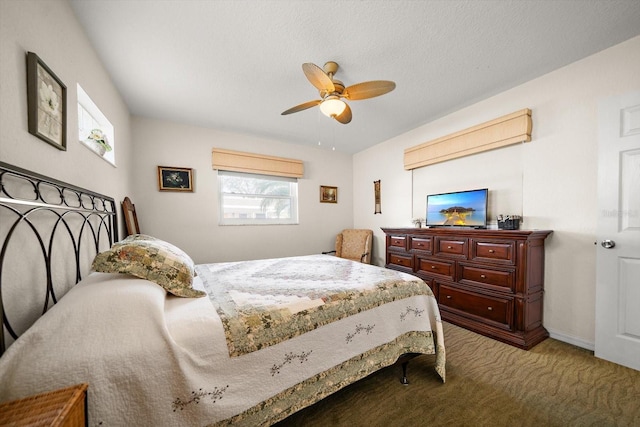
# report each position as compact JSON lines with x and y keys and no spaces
{"x":175,"y":179}
{"x":46,"y":103}
{"x":328,"y":194}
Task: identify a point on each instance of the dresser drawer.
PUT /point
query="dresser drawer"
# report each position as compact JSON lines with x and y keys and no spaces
{"x":401,"y":260}
{"x":494,"y":310}
{"x":498,"y":279}
{"x":421,"y":243}
{"x":438,"y":267}
{"x":398,"y":242}
{"x":456,"y":248}
{"x":494,"y":251}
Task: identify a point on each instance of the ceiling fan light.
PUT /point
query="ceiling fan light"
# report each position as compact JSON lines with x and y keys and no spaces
{"x":332,"y":106}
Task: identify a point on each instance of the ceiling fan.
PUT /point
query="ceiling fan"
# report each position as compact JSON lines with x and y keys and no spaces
{"x":332,"y":91}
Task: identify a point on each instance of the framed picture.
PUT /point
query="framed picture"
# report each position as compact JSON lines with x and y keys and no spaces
{"x":175,"y":179}
{"x":376,"y":197}
{"x":328,"y":194}
{"x":46,"y":103}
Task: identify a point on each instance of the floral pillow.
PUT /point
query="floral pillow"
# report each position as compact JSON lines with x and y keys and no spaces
{"x":132,"y":237}
{"x":153,"y":259}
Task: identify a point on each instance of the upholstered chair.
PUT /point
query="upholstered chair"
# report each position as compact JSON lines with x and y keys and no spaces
{"x":354,"y":244}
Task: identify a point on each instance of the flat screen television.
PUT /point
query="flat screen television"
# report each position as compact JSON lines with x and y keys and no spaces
{"x":458,"y":209}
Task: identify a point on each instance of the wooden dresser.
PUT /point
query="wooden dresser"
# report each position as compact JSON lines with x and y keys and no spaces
{"x":488,"y":281}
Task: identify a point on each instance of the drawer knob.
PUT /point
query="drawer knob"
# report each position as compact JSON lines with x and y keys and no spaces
{"x":490,"y":308}
{"x":433,"y":267}
{"x":491,"y":251}
{"x":448,"y":296}
{"x":449,"y":247}
{"x":482,"y":276}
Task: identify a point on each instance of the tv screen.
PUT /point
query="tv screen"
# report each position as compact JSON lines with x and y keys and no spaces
{"x":459,"y":209}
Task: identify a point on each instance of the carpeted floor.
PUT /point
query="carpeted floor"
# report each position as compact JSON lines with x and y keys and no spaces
{"x":488,"y":384}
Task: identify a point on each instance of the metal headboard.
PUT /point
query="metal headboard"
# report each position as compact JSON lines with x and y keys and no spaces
{"x":49,"y":233}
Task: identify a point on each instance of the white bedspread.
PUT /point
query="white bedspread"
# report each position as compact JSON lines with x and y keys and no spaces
{"x":153,"y":359}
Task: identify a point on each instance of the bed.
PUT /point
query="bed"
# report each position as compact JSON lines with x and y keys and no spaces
{"x":242,"y":343}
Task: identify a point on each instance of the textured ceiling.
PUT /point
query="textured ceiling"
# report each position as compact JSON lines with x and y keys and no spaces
{"x":236,"y":65}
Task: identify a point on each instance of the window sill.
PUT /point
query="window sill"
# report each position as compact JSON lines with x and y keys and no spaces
{"x":107,"y":157}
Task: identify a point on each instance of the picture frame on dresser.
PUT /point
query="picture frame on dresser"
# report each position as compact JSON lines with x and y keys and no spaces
{"x":46,"y":103}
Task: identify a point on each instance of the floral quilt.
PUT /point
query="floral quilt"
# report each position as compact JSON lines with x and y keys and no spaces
{"x":264,"y":302}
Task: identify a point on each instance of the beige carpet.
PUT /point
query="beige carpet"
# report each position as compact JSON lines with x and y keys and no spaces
{"x":488,"y":384}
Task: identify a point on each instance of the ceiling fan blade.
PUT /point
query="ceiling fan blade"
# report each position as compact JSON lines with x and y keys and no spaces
{"x":301,"y":107}
{"x":318,"y":77}
{"x":345,"y":116}
{"x":368,"y":89}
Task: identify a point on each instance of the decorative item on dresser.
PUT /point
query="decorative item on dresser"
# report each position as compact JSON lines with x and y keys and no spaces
{"x":488,"y":281}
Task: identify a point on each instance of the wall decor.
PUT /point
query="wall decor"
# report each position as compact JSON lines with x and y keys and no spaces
{"x":46,"y":103}
{"x":376,"y":192}
{"x":328,"y":194}
{"x":175,"y":179}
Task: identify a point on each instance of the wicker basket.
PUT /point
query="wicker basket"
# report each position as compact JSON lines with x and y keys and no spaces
{"x":64,"y":407}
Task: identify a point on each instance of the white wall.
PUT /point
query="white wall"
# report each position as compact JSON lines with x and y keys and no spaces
{"x":50,"y":29}
{"x":558,"y":173}
{"x":503,"y":178}
{"x":190,"y":220}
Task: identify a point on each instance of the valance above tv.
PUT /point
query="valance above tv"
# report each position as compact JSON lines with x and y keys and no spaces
{"x":506,"y":130}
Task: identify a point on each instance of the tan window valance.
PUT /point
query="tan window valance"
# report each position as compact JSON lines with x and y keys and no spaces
{"x":238,"y":161}
{"x":506,"y":130}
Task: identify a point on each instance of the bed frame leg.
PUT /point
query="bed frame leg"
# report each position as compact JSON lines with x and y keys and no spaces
{"x":404,"y":379}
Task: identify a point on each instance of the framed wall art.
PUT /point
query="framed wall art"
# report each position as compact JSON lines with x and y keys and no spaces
{"x":175,"y":179}
{"x":328,"y":194}
{"x":376,"y":197}
{"x":46,"y":103}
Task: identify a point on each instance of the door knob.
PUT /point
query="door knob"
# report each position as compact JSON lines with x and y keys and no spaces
{"x":608,"y":244}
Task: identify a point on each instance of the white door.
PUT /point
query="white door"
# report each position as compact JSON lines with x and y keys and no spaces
{"x":618,"y":231}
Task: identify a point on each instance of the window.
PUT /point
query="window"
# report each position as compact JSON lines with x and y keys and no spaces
{"x":257,"y":199}
{"x":89,"y":118}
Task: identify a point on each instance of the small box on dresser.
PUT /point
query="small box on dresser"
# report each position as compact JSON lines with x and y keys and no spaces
{"x":488,"y":281}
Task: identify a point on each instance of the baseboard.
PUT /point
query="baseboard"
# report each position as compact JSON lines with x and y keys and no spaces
{"x":578,"y":342}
